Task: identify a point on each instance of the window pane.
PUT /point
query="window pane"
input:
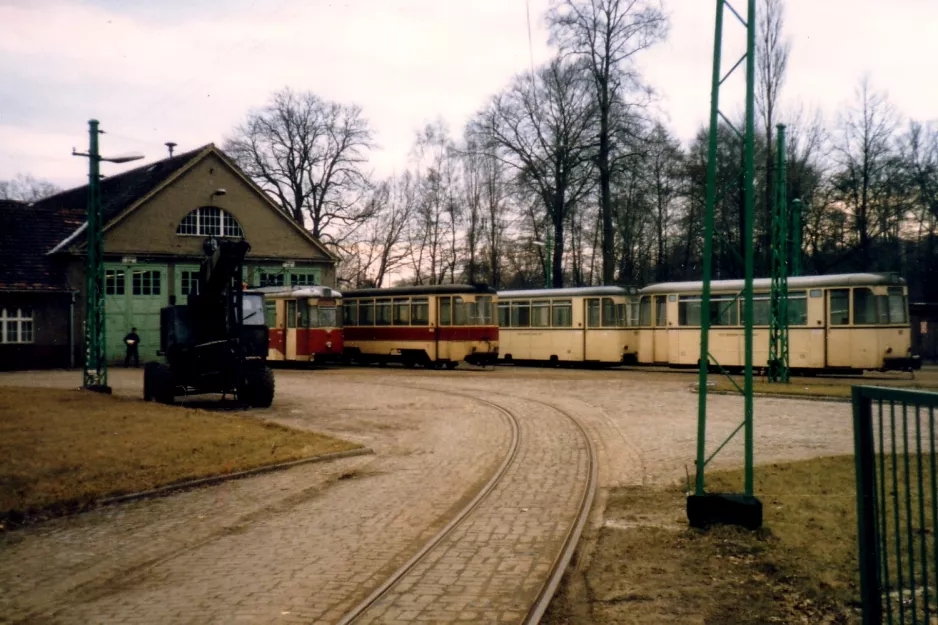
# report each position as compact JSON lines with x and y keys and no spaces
{"x":761,"y":309}
{"x":156,"y":282}
{"x":562,"y":313}
{"x":459,"y":312}
{"x":688,"y":310}
{"x":402,"y":311}
{"x":609,"y":313}
{"x":644,"y":311}
{"x":383,"y":312}
{"x":366,"y":313}
{"x":210,"y":221}
{"x":797,"y":308}
{"x":231,"y":227}
{"x":897,"y":306}
{"x":137,"y":281}
{"x":26,"y":331}
{"x":270,"y":313}
{"x":483,"y":311}
{"x":445,"y":311}
{"x":350,"y":312}
{"x":540,"y":315}
{"x":520,"y":314}
{"x":291,"y":313}
{"x":622,"y":315}
{"x":839,"y":307}
{"x":864,"y":307}
{"x":420,"y":311}
{"x":592,"y":313}
{"x":12,"y":335}
{"x":327,"y":317}
{"x":724,"y":310}
{"x":308,"y":318}
{"x":504,"y":314}
{"x":661,"y":312}
{"x":189,"y":223}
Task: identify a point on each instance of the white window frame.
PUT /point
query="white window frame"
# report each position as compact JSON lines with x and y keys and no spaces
{"x":228,"y":226}
{"x":20,"y":319}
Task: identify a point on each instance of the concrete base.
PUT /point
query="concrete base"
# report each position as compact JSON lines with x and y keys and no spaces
{"x":724,"y":509}
{"x":99,"y":388}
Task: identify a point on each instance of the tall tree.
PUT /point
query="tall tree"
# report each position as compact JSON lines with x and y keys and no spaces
{"x":606,"y":35}
{"x":379,"y":247}
{"x":309,"y":154}
{"x":543,"y":127}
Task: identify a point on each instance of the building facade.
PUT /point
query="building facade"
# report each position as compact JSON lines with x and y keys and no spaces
{"x":156,"y":219}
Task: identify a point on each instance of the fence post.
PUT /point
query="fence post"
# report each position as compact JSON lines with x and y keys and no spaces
{"x":864,"y":459}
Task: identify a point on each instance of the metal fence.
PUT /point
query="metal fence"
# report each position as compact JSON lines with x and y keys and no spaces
{"x":897,"y":506}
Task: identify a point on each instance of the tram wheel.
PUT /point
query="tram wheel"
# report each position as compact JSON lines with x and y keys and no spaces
{"x":452,"y":365}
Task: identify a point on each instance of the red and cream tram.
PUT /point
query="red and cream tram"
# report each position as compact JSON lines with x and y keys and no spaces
{"x":433,"y":326}
{"x":305,"y":323}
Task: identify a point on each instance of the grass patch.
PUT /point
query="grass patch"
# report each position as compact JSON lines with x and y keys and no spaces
{"x":817,"y":389}
{"x":647,"y":566}
{"x":63,"y":449}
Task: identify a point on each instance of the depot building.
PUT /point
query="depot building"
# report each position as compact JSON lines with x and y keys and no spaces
{"x":155,"y":220}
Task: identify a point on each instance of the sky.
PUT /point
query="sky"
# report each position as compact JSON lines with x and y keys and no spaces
{"x":188,"y":71}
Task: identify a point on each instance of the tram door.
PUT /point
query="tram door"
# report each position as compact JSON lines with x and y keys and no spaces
{"x":838,"y":328}
{"x":291,"y":329}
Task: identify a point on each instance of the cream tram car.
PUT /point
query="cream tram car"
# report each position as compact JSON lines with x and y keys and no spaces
{"x":304,"y":321}
{"x":573,"y":325}
{"x":844,"y":322}
{"x":432,"y":326}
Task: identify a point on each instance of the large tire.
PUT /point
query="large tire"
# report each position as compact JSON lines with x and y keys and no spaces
{"x":163,"y":389}
{"x":257,"y":388}
{"x":149,"y":374}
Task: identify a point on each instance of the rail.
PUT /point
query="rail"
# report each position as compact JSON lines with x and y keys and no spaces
{"x":897,"y":504}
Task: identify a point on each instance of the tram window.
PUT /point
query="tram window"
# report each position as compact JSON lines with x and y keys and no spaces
{"x":896,"y":305}
{"x":270,"y":313}
{"x":460,"y":316}
{"x":520,"y":314}
{"x":839,"y":307}
{"x":445,"y":311}
{"x":483,"y":311}
{"x":661,"y":312}
{"x":815,"y":292}
{"x":622,"y":315}
{"x":724,"y":310}
{"x":420,"y":311}
{"x":609,"y":313}
{"x":402,"y":311}
{"x":688,"y":310}
{"x":540,"y":314}
{"x":593,"y":319}
{"x":797,"y":308}
{"x":644,"y":311}
{"x":504,"y":314}
{"x":382,"y":312}
{"x":562,"y":313}
{"x":305,"y":317}
{"x":366,"y":313}
{"x":327,"y":317}
{"x":350,"y":313}
{"x":291,"y":313}
{"x":864,"y":307}
{"x":761,"y":309}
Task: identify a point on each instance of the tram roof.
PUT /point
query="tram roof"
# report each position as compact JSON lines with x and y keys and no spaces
{"x":434,"y":289}
{"x":796,"y":282}
{"x":578,"y":291}
{"x":297,"y":291}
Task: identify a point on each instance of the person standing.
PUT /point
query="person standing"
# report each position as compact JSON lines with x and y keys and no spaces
{"x":132,"y":341}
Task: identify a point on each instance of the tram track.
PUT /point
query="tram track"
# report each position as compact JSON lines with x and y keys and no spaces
{"x":574,"y":530}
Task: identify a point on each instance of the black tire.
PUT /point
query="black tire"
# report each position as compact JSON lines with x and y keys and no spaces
{"x":149,"y":373}
{"x":257,"y":388}
{"x":163,"y":389}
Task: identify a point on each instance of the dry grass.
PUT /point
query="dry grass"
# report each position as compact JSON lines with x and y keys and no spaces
{"x":647,"y":566}
{"x":62,"y":449}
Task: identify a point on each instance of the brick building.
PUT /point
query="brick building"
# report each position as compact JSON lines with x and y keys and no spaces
{"x":156,"y":218}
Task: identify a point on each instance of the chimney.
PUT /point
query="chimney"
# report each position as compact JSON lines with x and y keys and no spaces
{"x":170,"y":145}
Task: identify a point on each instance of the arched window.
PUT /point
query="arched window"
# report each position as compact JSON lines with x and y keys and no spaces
{"x":209,"y":221}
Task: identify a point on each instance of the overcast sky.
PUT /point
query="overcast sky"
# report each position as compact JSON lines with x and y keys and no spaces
{"x":189,"y":70}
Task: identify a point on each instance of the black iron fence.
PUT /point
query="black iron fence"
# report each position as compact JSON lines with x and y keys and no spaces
{"x":897,"y":507}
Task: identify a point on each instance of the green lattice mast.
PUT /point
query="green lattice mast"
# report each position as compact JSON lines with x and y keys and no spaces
{"x":778,"y":297}
{"x":95,"y":344}
{"x":744,"y":509}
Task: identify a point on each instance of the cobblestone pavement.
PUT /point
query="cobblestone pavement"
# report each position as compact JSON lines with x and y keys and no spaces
{"x":307,"y":544}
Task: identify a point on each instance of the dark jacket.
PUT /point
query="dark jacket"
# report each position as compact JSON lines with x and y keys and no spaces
{"x":132,"y":341}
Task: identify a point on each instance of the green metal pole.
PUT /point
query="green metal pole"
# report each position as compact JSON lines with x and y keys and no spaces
{"x":708,"y":252}
{"x":796,"y":238}
{"x":95,"y":375}
{"x":781,"y":209}
{"x":750,"y":197}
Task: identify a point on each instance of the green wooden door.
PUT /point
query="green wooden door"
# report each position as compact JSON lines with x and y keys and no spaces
{"x":134,"y":297}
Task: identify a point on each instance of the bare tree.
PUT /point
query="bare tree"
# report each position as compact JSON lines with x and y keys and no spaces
{"x":543,"y":127}
{"x":25,"y":188}
{"x":379,"y":247}
{"x":309,"y":154}
{"x":863,"y":150}
{"x":606,"y":35}
{"x":664,"y":162}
